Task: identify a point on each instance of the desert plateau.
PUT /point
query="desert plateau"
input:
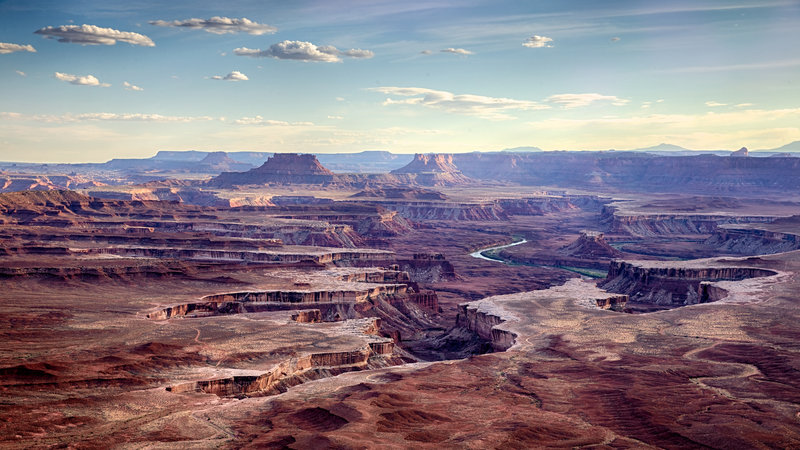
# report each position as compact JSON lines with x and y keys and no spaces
{"x":399,"y":225}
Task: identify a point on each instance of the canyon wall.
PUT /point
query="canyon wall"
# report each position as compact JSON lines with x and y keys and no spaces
{"x":671,"y":285}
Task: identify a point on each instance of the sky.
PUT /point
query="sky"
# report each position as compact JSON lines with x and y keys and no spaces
{"x":87,"y":81}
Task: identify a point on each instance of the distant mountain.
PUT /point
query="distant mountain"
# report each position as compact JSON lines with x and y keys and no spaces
{"x":255,"y":159}
{"x":663,"y":147}
{"x":184,"y":155}
{"x":522,"y":149}
{"x":369,"y":161}
{"x":790,"y":147}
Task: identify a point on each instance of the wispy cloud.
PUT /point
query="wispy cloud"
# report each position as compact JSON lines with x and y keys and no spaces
{"x":94,"y":35}
{"x":615,"y":39}
{"x":714,"y":104}
{"x":233,"y":76}
{"x":427,"y":52}
{"x":743,"y":105}
{"x":101,"y":116}
{"x":21,"y":73}
{"x":220,"y":25}
{"x":304,"y":51}
{"x":492,"y":108}
{"x":258,"y":120}
{"x":131,"y":87}
{"x":569,"y":101}
{"x":779,"y":64}
{"x":537,"y":41}
{"x":457,"y":51}
{"x":85,"y":80}
{"x":6,"y":48}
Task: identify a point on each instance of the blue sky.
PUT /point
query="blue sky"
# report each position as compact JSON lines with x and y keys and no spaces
{"x":132,"y":78}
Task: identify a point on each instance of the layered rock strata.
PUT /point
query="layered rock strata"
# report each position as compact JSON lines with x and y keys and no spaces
{"x":671,"y":283}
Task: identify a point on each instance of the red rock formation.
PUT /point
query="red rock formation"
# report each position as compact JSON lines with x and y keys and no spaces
{"x":742,"y":152}
{"x":281,"y":168}
{"x":434,"y":170}
{"x":590,"y":244}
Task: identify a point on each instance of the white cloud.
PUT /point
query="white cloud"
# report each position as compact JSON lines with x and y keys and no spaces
{"x":568,"y":101}
{"x":21,"y":73}
{"x":86,"y":80}
{"x":714,"y":104}
{"x":6,"y":48}
{"x":220,"y":25}
{"x":131,"y":87}
{"x":457,"y":51}
{"x":492,"y":108}
{"x":102,"y":116}
{"x":335,"y":117}
{"x":303,"y":51}
{"x":743,"y":105}
{"x":258,"y":120}
{"x":94,"y":35}
{"x":537,"y":41}
{"x":233,"y":76}
{"x":427,"y":52}
{"x":615,"y":39}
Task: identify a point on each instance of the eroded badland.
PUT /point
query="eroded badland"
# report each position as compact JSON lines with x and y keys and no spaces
{"x":654,"y":303}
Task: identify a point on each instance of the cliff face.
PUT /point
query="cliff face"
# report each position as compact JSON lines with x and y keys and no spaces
{"x":635,"y":171}
{"x":672,"y":286}
{"x":781,"y":235}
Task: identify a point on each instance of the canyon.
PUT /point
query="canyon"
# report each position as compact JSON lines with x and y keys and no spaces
{"x":261,"y":300}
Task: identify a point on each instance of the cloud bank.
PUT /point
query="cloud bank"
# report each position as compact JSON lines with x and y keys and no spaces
{"x":6,"y":48}
{"x":492,"y":108}
{"x":86,"y":80}
{"x":103,"y":116}
{"x":220,"y":25}
{"x":304,"y":51}
{"x":569,"y":101}
{"x":258,"y":120}
{"x":94,"y":35}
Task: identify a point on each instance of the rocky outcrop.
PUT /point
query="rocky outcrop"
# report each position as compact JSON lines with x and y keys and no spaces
{"x":671,"y":285}
{"x":428,"y":268}
{"x":308,"y":316}
{"x":741,"y":153}
{"x":376,"y":352}
{"x":485,"y":324}
{"x":590,"y":244}
{"x":613,"y":303}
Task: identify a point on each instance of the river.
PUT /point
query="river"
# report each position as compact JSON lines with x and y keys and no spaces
{"x":480,"y":253}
